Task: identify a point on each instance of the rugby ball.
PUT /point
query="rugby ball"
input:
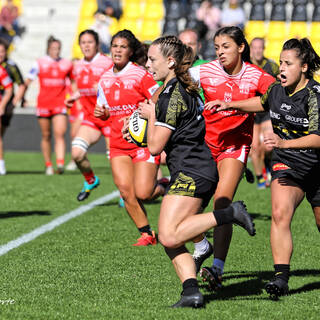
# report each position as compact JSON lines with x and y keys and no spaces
{"x":138,"y":129}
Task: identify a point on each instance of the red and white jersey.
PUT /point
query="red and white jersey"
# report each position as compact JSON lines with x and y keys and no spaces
{"x":52,"y":76}
{"x":229,"y":127}
{"x":87,"y":75}
{"x":121,"y":93}
{"x":5,"y":80}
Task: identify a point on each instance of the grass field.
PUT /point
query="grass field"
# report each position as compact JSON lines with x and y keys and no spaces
{"x":87,"y":267}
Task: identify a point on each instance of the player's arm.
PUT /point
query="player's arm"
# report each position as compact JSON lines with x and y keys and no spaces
{"x":305,"y":142}
{"x":249,"y":105}
{"x":101,"y":110}
{"x":74,"y":96}
{"x":157,"y":136}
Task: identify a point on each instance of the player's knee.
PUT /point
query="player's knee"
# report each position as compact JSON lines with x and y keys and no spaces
{"x":279,"y":216}
{"x":79,"y":149}
{"x":143,"y":194}
{"x":167,"y":239}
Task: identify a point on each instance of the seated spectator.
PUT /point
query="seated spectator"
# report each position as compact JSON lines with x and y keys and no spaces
{"x":233,"y":15}
{"x":101,"y":26}
{"x":111,"y":8}
{"x":9,"y":19}
{"x":210,"y":16}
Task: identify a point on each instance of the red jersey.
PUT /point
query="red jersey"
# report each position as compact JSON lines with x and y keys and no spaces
{"x":121,"y":93}
{"x":87,"y":75}
{"x":229,"y":127}
{"x":5,"y":80}
{"x":52,"y":76}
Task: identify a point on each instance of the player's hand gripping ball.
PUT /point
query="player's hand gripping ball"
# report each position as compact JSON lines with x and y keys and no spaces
{"x":138,"y":127}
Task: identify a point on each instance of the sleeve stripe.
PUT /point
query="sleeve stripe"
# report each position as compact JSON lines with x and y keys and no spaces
{"x":162,"y":124}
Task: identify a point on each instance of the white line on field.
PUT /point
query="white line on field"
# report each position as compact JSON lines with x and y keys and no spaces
{"x":55,"y":223}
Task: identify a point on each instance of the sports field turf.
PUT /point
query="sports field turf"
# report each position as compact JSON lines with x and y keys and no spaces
{"x":87,"y":267}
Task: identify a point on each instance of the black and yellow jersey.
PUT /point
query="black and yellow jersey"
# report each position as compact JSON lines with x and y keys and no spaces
{"x":186,"y":149}
{"x":269,"y":66}
{"x":295,"y":116}
{"x":14,"y":73}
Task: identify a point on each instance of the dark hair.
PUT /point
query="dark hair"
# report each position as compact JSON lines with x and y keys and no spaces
{"x":138,"y":51}
{"x":238,"y":37}
{"x":171,"y":46}
{"x":305,"y":53}
{"x":92,"y":33}
{"x":4,"y":43}
{"x":50,"y":40}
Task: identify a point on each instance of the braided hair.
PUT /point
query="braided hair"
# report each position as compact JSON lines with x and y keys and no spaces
{"x":305,"y":53}
{"x":171,"y":46}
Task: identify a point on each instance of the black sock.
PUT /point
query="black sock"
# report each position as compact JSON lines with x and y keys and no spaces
{"x":282,"y":271}
{"x":223,"y":216}
{"x":259,"y":177}
{"x":190,"y":286}
{"x":145,"y":229}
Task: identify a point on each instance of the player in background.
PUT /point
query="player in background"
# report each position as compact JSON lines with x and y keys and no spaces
{"x":75,"y":115}
{"x":260,"y":153}
{"x":228,"y":133}
{"x":293,"y":103}
{"x":134,"y":169}
{"x":86,"y":74}
{"x":17,"y":80}
{"x":176,"y":125}
{"x":52,"y":72}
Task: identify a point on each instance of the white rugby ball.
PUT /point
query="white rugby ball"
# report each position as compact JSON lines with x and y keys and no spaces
{"x":138,"y":129}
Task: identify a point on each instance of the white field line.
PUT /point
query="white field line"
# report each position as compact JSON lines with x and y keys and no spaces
{"x":55,"y":223}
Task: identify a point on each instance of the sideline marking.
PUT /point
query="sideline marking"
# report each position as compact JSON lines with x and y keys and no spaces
{"x":55,"y":223}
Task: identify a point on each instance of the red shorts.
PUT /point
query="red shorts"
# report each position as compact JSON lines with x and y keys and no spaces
{"x":240,"y":153}
{"x":75,"y":114}
{"x":136,"y":154}
{"x":103,"y":126}
{"x":50,"y":112}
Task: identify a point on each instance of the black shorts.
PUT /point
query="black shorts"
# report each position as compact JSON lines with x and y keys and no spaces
{"x":191,"y":185}
{"x":310,"y":183}
{"x":261,"y":117}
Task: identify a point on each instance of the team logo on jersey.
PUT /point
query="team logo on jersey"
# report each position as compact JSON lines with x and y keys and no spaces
{"x":285,"y":107}
{"x":128,"y":84}
{"x":317,"y":88}
{"x":227,"y":97}
{"x":230,"y":85}
{"x":167,"y":89}
{"x":280,"y":166}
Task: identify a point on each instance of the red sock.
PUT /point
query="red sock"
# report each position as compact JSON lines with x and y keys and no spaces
{"x":60,"y":162}
{"x":48,"y":164}
{"x":89,"y":176}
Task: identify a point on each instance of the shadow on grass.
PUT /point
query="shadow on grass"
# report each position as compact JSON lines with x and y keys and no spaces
{"x":250,"y":289}
{"x":260,"y":216}
{"x":13,"y":214}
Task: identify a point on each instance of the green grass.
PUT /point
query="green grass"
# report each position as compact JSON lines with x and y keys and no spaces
{"x":88,"y":269}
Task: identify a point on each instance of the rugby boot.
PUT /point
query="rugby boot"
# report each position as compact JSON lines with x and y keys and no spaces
{"x":242,"y":218}
{"x":191,"y":301}
{"x":146,"y":239}
{"x":87,"y":188}
{"x":213,"y":276}
{"x":198,"y":258}
{"x":276,"y":288}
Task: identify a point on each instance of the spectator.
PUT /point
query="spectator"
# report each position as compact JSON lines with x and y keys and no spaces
{"x":210,"y":16}
{"x":111,"y":8}
{"x":9,"y":20}
{"x":233,"y":15}
{"x":101,"y":26}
